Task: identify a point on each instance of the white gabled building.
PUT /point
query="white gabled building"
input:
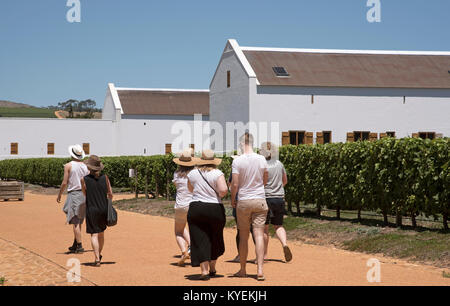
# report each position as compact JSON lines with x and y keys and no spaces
{"x":333,"y":95}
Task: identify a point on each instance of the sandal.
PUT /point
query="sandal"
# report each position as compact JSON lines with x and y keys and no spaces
{"x":287,"y":254}
{"x":260,"y":278}
{"x":212,"y":273}
{"x":205,"y":277}
{"x":97,"y":264}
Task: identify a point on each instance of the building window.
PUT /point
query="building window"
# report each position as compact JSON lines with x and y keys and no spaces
{"x":14,"y":148}
{"x":358,"y":135}
{"x":296,"y":137}
{"x":50,"y":149}
{"x":390,"y":134}
{"x":168,"y":148}
{"x":86,"y":148}
{"x":427,"y":135}
{"x":228,"y":79}
{"x":326,"y":136}
{"x":280,"y":71}
{"x":323,"y":137}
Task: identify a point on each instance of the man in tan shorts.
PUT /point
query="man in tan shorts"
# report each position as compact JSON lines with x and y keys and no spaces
{"x":249,"y":175}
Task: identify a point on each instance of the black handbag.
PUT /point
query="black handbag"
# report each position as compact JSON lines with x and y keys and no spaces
{"x":111,"y":219}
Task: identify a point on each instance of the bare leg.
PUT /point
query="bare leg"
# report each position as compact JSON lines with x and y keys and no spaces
{"x":204,"y":266}
{"x":180,"y":233}
{"x":95,"y":246}
{"x":281,"y":234}
{"x":186,"y":237}
{"x":266,"y":240}
{"x":243,"y":251}
{"x":101,"y":242}
{"x":77,"y":232}
{"x":259,"y":247}
{"x":212,"y":266}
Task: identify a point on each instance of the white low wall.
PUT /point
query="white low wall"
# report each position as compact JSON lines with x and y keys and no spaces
{"x":32,"y":135}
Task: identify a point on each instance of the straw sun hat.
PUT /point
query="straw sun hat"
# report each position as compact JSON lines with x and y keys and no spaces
{"x":186,"y":158}
{"x":208,"y":158}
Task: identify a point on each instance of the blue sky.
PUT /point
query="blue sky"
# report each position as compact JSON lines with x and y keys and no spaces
{"x":177,"y":43}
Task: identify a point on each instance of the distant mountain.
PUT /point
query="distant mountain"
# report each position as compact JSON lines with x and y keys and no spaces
{"x":10,"y":104}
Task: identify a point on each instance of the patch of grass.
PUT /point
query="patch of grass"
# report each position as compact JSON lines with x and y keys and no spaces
{"x":445,"y":274}
{"x":2,"y":281}
{"x":422,"y":246}
{"x":27,"y":112}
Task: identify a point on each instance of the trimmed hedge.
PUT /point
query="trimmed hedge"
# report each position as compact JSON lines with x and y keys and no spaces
{"x":402,"y":177}
{"x":154,"y":173}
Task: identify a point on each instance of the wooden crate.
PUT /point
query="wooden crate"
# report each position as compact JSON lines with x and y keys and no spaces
{"x":11,"y":191}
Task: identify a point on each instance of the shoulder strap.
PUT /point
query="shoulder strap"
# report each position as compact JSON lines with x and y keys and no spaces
{"x":218,"y":197}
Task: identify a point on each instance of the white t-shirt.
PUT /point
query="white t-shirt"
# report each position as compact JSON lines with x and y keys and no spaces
{"x":250,"y":168}
{"x":184,"y":196}
{"x":202,"y":192}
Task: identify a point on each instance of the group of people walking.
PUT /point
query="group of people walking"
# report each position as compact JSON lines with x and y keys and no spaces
{"x":257,"y":197}
{"x":256,"y":184}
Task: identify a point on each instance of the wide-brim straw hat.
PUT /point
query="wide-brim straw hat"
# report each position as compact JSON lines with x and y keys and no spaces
{"x":76,"y":151}
{"x":94,"y":163}
{"x":186,"y":158}
{"x":268,"y":149}
{"x":208,"y":158}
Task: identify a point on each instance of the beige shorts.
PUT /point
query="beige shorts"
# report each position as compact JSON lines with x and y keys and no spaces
{"x":251,"y":212}
{"x":181,"y":214}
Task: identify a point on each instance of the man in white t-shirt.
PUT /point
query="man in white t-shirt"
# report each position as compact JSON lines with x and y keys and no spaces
{"x":249,"y":175}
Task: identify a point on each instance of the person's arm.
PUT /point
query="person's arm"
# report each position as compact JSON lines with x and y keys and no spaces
{"x":222,"y":188}
{"x":65,"y":181}
{"x":83,"y":186}
{"x":265,"y":177}
{"x":285,"y":179}
{"x":190,"y":187}
{"x":234,"y":189}
{"x":109,"y":189}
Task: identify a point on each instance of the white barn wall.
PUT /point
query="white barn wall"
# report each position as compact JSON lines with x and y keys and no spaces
{"x":229,"y":104}
{"x":361,"y":109}
{"x":32,"y":135}
{"x":135,"y":138}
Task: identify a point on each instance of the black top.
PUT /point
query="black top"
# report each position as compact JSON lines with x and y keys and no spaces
{"x":96,"y":203}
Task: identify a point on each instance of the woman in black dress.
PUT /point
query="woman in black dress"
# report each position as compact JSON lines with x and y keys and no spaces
{"x":97,"y":189}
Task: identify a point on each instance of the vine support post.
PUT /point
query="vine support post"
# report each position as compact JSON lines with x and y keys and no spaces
{"x":413,"y":219}
{"x":385,"y":218}
{"x":445,"y":219}
{"x":136,"y":184}
{"x":289,"y":204}
{"x":167,"y":184}
{"x":399,"y":218}
{"x":146,"y":185}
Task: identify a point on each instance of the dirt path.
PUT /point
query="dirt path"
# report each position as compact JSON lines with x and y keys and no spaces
{"x":141,"y":250}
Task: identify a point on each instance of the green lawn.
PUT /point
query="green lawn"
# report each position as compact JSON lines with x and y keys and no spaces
{"x":26,"y":112}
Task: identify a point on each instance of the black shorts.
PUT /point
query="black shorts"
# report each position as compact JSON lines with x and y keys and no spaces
{"x":276,"y":211}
